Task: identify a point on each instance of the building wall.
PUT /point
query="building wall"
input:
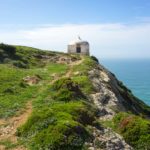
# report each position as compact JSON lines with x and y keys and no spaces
{"x":71,"y":48}
{"x":84,"y":48}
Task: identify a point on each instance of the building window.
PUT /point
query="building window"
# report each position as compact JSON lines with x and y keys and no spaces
{"x":78,"y":49}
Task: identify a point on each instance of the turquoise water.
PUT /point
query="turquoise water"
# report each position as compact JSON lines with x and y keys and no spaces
{"x":135,"y":74}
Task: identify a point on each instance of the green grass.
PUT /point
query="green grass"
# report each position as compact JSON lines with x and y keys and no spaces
{"x":62,"y":114}
{"x":8,"y":144}
{"x":23,"y":57}
{"x":13,"y":95}
{"x":57,"y":126}
{"x":58,"y":118}
{"x":65,"y":89}
{"x":82,"y":78}
{"x":86,"y":66}
{"x":84,"y":83}
{"x":60,"y":111}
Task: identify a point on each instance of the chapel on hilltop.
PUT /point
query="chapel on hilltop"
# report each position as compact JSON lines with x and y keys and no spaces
{"x":79,"y":46}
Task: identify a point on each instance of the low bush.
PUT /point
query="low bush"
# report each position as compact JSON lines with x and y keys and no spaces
{"x":86,"y":66}
{"x":134,"y":129}
{"x":84,"y":83}
{"x":95,"y":59}
{"x":66,"y":90}
{"x":59,"y":126}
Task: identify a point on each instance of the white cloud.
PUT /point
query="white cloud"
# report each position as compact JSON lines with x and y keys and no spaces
{"x":106,"y":40}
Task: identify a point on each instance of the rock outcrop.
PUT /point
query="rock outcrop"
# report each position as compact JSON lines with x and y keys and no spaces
{"x":106,"y":139}
{"x":111,"y":97}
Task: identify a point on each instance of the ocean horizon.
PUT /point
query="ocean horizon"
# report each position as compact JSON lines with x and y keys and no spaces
{"x":135,"y":74}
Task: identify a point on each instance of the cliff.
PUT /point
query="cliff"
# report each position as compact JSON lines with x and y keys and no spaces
{"x":55,"y":101}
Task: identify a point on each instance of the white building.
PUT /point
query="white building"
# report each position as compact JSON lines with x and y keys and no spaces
{"x":79,"y":46}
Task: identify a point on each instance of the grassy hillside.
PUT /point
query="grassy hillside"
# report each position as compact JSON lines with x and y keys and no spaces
{"x":45,"y":101}
{"x":23,"y":57}
{"x":60,"y":110}
{"x":16,"y":64}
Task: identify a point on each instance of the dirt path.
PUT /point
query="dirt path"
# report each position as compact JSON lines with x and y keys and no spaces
{"x":68,"y":74}
{"x":70,"y":70}
{"x":9,"y":127}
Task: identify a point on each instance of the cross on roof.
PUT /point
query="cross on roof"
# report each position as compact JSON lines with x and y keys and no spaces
{"x":79,"y":37}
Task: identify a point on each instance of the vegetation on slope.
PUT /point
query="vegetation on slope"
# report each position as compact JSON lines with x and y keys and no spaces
{"x":62,"y":112}
{"x":63,"y":118}
{"x":23,"y":57}
{"x":55,"y":127}
{"x":133,"y":102}
{"x":134,"y":129}
{"x":61,"y":121}
{"x":14,"y":92}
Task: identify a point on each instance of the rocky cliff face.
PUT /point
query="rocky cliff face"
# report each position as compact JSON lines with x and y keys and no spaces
{"x":111,"y":97}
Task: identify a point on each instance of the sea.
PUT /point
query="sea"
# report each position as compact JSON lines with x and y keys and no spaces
{"x":134,"y":73}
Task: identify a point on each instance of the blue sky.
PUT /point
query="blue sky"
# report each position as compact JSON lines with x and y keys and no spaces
{"x":72,"y":11}
{"x":115,"y":28}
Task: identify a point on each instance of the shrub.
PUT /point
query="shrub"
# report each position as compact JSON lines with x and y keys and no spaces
{"x":135,"y":130}
{"x":59,"y":126}
{"x":10,"y":50}
{"x":84,"y":83}
{"x":95,"y":59}
{"x":86,"y":66}
{"x":66,"y":90}
{"x":20,"y":64}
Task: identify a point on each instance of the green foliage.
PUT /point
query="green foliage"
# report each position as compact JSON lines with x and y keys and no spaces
{"x":6,"y":51}
{"x":14,"y":93}
{"x":8,"y":144}
{"x":86,"y":66}
{"x":95,"y":59}
{"x":64,"y":95}
{"x":58,"y":126}
{"x":62,"y":114}
{"x":84,"y":83}
{"x":60,"y":117}
{"x":82,"y":78}
{"x":66,"y":90}
{"x":23,"y":57}
{"x":135,"y":130}
{"x":132,"y":101}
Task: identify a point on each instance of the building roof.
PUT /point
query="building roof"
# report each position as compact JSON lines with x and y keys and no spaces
{"x":78,"y":41}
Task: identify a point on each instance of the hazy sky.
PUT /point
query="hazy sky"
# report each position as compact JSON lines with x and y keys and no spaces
{"x":114,"y":28}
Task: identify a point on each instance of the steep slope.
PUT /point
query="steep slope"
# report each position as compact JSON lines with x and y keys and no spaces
{"x":112,"y":96}
{"x":75,"y":103}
